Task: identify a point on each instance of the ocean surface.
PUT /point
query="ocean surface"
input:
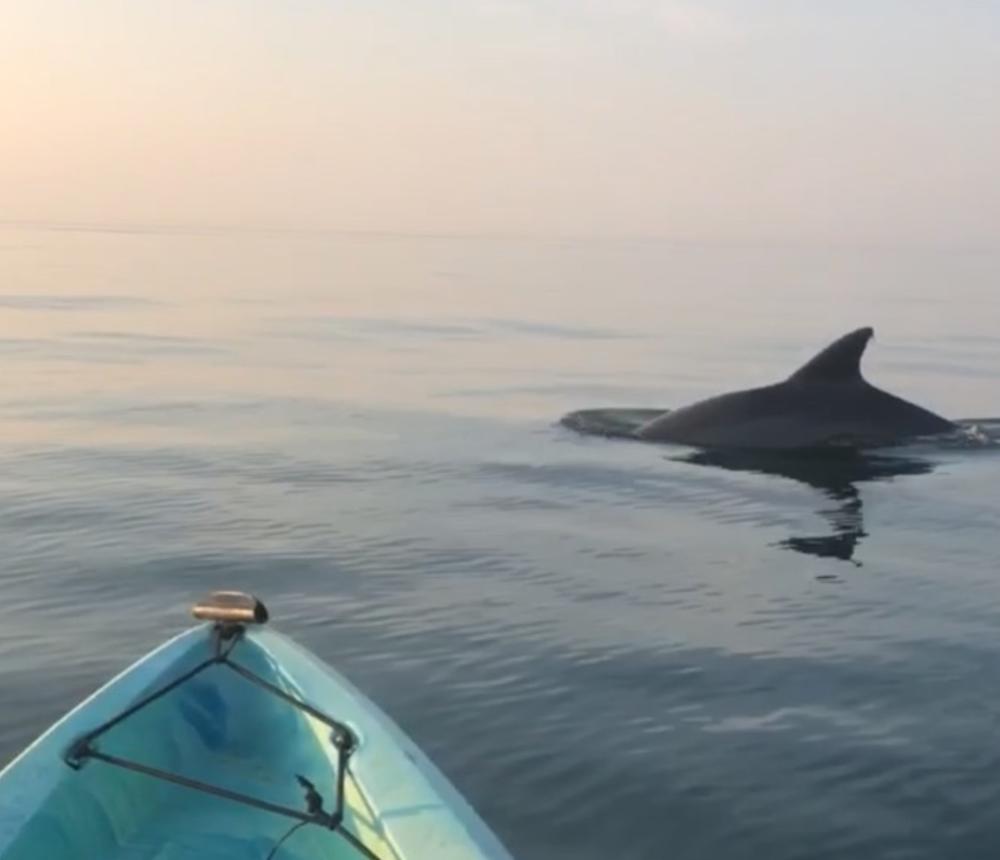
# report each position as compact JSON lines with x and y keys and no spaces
{"x":614,"y":649}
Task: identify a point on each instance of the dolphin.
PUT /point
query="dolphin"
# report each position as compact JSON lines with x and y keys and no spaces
{"x":826,"y":402}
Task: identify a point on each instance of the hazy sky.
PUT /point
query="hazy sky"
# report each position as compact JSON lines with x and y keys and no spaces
{"x":875,"y":120}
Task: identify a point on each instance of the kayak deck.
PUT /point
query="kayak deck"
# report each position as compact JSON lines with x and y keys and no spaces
{"x":223,"y":730}
{"x":187,"y":832}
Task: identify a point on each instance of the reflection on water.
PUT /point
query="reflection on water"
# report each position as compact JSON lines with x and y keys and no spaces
{"x":835,"y":474}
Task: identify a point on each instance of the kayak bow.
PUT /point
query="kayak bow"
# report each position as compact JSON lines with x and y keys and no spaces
{"x":231,"y":741}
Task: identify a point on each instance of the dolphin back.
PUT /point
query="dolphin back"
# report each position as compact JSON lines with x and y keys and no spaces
{"x":826,"y":402}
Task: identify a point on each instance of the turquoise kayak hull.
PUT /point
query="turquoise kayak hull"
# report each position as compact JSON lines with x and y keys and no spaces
{"x":220,"y":729}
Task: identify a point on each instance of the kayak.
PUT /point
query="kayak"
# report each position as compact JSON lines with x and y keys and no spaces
{"x":231,"y":741}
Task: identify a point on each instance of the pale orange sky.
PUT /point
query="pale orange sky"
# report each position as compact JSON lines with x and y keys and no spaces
{"x":861,"y":122}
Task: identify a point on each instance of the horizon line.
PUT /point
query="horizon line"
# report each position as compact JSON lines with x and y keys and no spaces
{"x":193,"y":228}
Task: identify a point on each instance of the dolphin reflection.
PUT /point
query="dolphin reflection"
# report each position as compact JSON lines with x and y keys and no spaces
{"x":835,"y":474}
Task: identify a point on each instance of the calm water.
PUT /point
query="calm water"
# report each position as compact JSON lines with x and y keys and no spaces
{"x":615,"y":650}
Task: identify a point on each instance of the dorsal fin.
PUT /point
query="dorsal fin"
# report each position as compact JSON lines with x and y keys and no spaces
{"x":839,"y":362}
